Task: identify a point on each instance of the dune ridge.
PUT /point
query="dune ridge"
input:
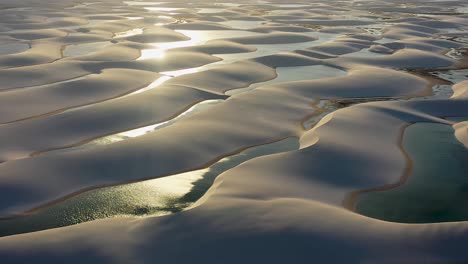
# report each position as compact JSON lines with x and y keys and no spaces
{"x":75,"y":73}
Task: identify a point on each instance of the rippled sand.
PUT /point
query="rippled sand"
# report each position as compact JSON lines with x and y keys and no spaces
{"x":244,"y":132}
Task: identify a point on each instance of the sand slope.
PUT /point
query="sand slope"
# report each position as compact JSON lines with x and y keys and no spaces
{"x":98,"y":94}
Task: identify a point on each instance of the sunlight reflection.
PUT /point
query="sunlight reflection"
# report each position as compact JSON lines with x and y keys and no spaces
{"x":134,"y":18}
{"x":154,"y":84}
{"x":160,"y":48}
{"x":155,"y":197}
{"x":152,"y":54}
{"x":197,"y":37}
{"x":144,"y":130}
{"x":142,"y":3}
{"x":151,"y":128}
{"x":182,"y":72}
{"x":175,"y":186}
{"x":158,"y":52}
{"x":167,"y":9}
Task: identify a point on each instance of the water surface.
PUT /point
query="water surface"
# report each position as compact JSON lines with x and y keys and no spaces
{"x":152,"y":197}
{"x":437,"y":187}
{"x":288,"y":74}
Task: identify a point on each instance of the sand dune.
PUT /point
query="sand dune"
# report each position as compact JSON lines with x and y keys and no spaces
{"x":26,"y":103}
{"x":339,"y":95}
{"x":460,"y":90}
{"x":274,"y":38}
{"x":461,"y":132}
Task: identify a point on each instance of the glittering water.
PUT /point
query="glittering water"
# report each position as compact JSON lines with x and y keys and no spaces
{"x":152,"y":197}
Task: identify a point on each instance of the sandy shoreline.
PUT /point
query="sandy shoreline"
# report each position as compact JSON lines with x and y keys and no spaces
{"x":108,"y":93}
{"x":352,"y":199}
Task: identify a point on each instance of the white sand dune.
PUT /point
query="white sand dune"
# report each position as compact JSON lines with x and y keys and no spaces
{"x":461,"y":132}
{"x":403,"y":59}
{"x":267,"y":202}
{"x":153,"y":106}
{"x":226,"y":77}
{"x":75,"y":73}
{"x":218,"y":47}
{"x":124,"y":51}
{"x":38,"y":54}
{"x":279,"y":27}
{"x":460,"y":90}
{"x":356,"y":84}
{"x":274,"y":38}
{"x":25,"y":103}
{"x":158,"y":34}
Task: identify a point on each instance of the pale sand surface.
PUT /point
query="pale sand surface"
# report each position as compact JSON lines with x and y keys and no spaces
{"x":233,"y":132}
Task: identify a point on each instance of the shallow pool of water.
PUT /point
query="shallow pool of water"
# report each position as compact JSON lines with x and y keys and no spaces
{"x":366,"y":53}
{"x":13,"y":48}
{"x":289,"y":74}
{"x":210,"y":10}
{"x":323,"y":108}
{"x":85,"y":48}
{"x":437,"y":187}
{"x":463,"y":9}
{"x":152,"y":197}
{"x":162,"y":9}
{"x":129,"y":33}
{"x":272,"y":49}
{"x":137,"y":132}
{"x":241,"y":24}
{"x":197,"y":37}
{"x":453,"y":76}
{"x":385,"y":40}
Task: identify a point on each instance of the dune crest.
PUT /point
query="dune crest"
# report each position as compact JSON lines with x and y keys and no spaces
{"x":234,"y":132}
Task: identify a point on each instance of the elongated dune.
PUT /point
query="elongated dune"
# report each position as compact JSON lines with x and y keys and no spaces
{"x":234,"y":132}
